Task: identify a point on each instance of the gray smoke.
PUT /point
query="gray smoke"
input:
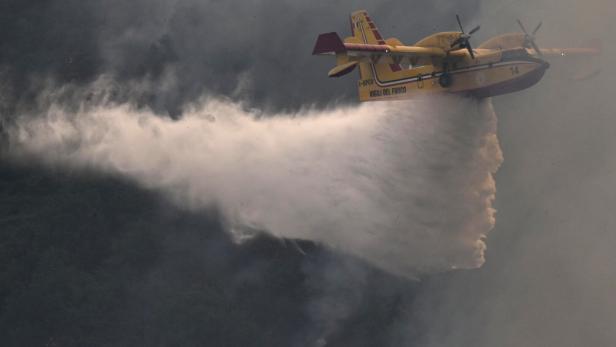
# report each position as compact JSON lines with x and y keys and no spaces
{"x":255,"y":52}
{"x":406,"y":186}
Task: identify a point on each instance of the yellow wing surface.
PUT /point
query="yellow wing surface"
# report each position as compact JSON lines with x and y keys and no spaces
{"x":367,"y":47}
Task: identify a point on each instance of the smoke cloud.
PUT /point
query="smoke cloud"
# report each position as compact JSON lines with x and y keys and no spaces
{"x":549,"y":276}
{"x":405,"y":185}
{"x":255,"y":52}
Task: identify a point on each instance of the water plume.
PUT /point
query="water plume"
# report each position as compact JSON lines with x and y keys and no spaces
{"x":406,"y":186}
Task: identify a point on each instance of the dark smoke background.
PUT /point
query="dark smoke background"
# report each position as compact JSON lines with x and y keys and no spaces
{"x":254,"y":51}
{"x":87,"y":259}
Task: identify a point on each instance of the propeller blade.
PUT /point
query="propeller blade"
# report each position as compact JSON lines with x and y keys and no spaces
{"x":475,"y":30}
{"x":536,"y":48}
{"x":537,"y":28}
{"x":456,"y":42}
{"x":522,"y":26}
{"x":460,"y":23}
{"x":470,"y":50}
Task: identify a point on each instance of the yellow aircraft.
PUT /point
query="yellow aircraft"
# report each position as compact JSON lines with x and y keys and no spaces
{"x":443,"y":62}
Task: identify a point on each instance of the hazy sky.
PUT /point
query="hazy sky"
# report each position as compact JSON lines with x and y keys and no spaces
{"x":550,"y":264}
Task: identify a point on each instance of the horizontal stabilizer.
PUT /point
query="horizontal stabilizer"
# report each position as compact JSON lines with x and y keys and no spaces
{"x":329,"y":43}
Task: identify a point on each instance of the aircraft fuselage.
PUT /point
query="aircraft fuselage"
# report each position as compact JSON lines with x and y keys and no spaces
{"x":489,"y":74}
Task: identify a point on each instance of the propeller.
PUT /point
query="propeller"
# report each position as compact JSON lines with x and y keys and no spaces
{"x":464,"y":40}
{"x":529,"y":39}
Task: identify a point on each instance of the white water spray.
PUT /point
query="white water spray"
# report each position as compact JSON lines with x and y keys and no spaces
{"x":406,"y":186}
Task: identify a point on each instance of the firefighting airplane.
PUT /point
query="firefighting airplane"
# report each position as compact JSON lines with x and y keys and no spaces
{"x":443,"y":62}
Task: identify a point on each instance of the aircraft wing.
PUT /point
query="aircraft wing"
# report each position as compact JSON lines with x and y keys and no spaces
{"x":585,"y":66}
{"x":566,"y":52}
{"x":589,"y":48}
{"x":331,"y":44}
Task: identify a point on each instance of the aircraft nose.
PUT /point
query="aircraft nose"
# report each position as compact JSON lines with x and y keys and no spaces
{"x":545,"y":65}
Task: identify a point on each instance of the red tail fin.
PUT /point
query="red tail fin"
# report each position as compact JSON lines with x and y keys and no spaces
{"x":329,"y":43}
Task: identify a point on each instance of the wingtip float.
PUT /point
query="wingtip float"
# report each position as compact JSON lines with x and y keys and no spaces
{"x":442,"y":62}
